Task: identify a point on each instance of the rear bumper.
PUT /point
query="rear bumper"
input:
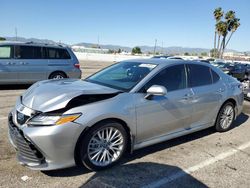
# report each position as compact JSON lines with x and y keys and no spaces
{"x":77,"y":73}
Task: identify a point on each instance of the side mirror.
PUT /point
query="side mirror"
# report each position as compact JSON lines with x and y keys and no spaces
{"x":156,"y":90}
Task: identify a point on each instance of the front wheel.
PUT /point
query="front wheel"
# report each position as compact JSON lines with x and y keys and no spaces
{"x":103,"y":146}
{"x":225,"y":117}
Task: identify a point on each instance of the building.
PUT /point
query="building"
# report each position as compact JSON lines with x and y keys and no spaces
{"x":89,"y":50}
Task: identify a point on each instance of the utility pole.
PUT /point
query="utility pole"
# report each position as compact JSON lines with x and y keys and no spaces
{"x":155,"y":45}
{"x":16,"y":33}
{"x":161,"y":47}
{"x":98,"y":42}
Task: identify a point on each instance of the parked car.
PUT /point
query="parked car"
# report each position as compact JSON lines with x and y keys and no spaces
{"x":161,"y":56}
{"x":129,"y":105}
{"x":240,"y":71}
{"x":166,"y":57}
{"x":25,"y":63}
{"x":218,"y":63}
{"x":202,"y":60}
{"x":226,"y":67}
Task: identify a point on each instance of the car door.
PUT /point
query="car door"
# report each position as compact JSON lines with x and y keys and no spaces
{"x":8,"y":69}
{"x":162,"y":115}
{"x":31,"y":64}
{"x":208,"y":90}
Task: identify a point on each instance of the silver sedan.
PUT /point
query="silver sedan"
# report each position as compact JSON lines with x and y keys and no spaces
{"x":129,"y":105}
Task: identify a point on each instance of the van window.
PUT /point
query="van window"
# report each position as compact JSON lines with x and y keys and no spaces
{"x":199,"y":75}
{"x":5,"y":52}
{"x":28,"y":52}
{"x":56,"y":53}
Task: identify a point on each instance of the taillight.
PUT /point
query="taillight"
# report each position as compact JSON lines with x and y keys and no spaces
{"x":77,"y":65}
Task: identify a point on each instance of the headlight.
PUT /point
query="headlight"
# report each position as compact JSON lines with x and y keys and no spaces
{"x":47,"y":120}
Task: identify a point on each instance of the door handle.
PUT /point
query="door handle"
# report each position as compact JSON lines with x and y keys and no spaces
{"x":187,"y":96}
{"x":220,"y":90}
{"x":10,"y":63}
{"x":23,"y":63}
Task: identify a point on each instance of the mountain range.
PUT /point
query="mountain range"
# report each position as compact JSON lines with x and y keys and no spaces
{"x":165,"y":50}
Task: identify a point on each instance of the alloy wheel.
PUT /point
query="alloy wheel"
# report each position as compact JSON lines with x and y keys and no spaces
{"x":227,"y":117}
{"x":105,"y":146}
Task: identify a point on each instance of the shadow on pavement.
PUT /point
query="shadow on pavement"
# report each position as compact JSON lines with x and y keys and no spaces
{"x":14,"y":87}
{"x":143,"y":174}
{"x":242,"y":118}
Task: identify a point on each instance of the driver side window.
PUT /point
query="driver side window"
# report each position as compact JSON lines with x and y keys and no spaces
{"x":173,"y":78}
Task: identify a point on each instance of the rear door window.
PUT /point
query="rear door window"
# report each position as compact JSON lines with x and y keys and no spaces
{"x":199,"y":75}
{"x":215,"y":76}
{"x":57,"y":53}
{"x":28,"y":52}
{"x":5,"y":52}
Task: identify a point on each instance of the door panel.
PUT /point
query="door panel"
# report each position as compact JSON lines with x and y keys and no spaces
{"x":207,"y":89}
{"x":31,"y":64}
{"x":163,"y":114}
{"x":206,"y":104}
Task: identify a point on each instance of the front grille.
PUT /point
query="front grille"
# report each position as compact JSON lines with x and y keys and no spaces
{"x":26,"y":150}
{"x":21,"y":118}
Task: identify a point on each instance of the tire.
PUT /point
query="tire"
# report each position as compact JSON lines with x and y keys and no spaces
{"x":108,"y":155}
{"x":57,"y":75}
{"x":225,"y":117}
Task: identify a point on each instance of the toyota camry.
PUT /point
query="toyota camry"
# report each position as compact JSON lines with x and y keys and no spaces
{"x":129,"y":105}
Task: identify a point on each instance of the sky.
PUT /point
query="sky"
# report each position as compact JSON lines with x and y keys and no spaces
{"x":123,"y":22}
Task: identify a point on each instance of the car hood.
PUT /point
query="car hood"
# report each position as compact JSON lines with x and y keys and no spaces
{"x":52,"y":95}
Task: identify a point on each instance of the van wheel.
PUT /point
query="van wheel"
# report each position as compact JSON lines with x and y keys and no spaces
{"x":57,"y":75}
{"x":225,"y":117}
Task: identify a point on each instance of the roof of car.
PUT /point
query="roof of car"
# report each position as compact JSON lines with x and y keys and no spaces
{"x":31,"y":44}
{"x":163,"y":61}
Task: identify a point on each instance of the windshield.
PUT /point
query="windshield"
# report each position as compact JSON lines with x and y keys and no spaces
{"x":123,"y":76}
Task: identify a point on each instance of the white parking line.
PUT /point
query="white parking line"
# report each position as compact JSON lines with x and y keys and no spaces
{"x":166,"y":180}
{"x":2,"y":118}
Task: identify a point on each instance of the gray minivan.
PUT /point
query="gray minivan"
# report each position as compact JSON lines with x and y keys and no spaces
{"x":26,"y":63}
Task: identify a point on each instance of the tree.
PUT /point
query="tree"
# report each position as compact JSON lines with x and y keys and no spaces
{"x":186,"y":53}
{"x":203,"y":53}
{"x":136,"y":50}
{"x":214,"y":52}
{"x":222,"y":27}
{"x":2,"y":39}
{"x":234,"y":26}
{"x":119,"y":50}
{"x":218,"y":14}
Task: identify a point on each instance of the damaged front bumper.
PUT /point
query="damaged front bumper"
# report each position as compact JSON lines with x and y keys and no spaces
{"x":44,"y":147}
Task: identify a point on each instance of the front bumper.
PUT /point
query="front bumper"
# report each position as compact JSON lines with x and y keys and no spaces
{"x":44,"y":148}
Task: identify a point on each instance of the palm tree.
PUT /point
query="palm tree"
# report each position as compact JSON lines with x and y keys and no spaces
{"x":222,"y":27}
{"x":235,"y":26}
{"x":218,"y":14}
{"x":232,"y":26}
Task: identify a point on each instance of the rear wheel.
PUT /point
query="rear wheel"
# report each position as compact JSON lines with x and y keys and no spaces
{"x":103,"y":146}
{"x":225,"y":117}
{"x":57,"y":75}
